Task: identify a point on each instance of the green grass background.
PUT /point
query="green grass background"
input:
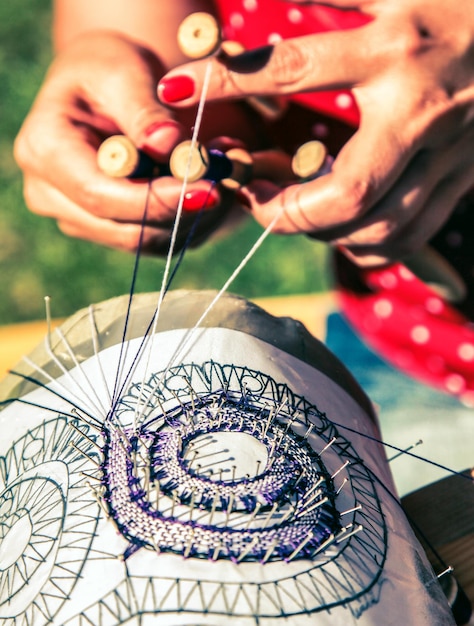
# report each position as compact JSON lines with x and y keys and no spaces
{"x":37,"y":260}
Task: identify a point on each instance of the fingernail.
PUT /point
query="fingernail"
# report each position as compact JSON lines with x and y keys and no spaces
{"x":243,"y":200}
{"x":200,"y":199}
{"x":160,"y":137}
{"x":175,"y":88}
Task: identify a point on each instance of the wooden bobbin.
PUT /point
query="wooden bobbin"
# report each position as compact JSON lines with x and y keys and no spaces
{"x":309,"y":159}
{"x":232,"y":169}
{"x":118,"y":157}
{"x":188,"y":161}
{"x":199,"y":35}
{"x":242,"y":168}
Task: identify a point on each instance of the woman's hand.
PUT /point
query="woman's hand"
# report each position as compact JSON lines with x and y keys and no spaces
{"x":396,"y":181}
{"x":102,"y":84}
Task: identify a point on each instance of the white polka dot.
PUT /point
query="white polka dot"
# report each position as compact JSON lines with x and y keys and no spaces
{"x":274,"y":38}
{"x":434,"y":305}
{"x":388,"y":280}
{"x":405,"y":273}
{"x":295,"y":16}
{"x":454,"y":383}
{"x":250,"y":5}
{"x":420,"y":334}
{"x":383,"y":308}
{"x":466,"y":352}
{"x":343,"y":101}
{"x":237,"y":20}
{"x":320,"y":130}
{"x":467,"y":399}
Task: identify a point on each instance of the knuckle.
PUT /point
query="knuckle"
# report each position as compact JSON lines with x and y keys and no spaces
{"x":129,"y":239}
{"x":289,"y":63}
{"x":89,"y":198}
{"x":353,"y":197}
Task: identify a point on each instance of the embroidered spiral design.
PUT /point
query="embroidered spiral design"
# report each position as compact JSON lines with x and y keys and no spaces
{"x":271,"y":513}
{"x":223,"y":463}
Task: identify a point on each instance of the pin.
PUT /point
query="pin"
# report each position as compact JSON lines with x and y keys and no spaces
{"x":253,"y":515}
{"x":271,"y":415}
{"x":270,"y":515}
{"x":343,"y":466}
{"x":413,"y":445}
{"x":344,"y":482}
{"x":249,"y":547}
{"x":84,"y":454}
{"x":308,"y":432}
{"x":316,"y":505}
{"x":213,"y":510}
{"x":189,"y":545}
{"x":353,"y":510}
{"x":89,"y":421}
{"x":328,"y":445}
{"x":329,"y":541}
{"x":300,"y":547}
{"x":269,"y":552}
{"x":94,"y":443}
{"x":89,"y":476}
{"x":229,"y":508}
{"x":343,"y":535}
{"x":215,"y":554}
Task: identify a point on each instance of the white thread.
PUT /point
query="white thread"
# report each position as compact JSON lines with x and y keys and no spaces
{"x":174,"y":233}
{"x":185,"y":342}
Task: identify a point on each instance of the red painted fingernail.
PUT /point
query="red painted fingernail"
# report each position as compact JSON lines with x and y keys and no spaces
{"x":175,"y":88}
{"x":200,"y":199}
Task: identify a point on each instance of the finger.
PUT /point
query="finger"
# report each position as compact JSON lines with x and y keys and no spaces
{"x":125,"y":237}
{"x":82,"y":185}
{"x":363,"y":172}
{"x":74,"y":221}
{"x":429,"y":219}
{"x":314,"y":62}
{"x":80,"y":180}
{"x":123,"y":92}
{"x":411,"y":192}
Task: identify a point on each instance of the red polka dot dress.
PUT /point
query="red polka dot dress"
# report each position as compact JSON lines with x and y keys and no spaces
{"x":408,"y":323}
